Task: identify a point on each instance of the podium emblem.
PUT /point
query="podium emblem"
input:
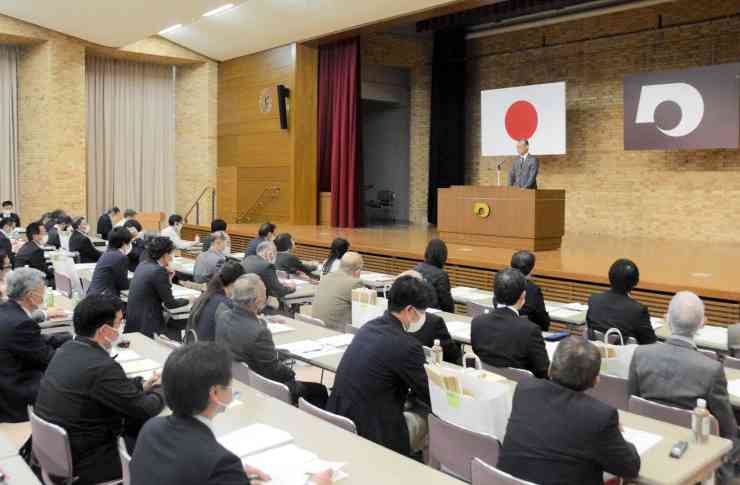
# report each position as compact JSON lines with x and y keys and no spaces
{"x":481,"y":209}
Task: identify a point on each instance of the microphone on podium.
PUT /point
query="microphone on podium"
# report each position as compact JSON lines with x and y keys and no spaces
{"x":499,"y":164}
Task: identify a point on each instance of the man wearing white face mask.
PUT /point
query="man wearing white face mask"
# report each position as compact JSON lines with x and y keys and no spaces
{"x":80,"y":242}
{"x":9,"y":212}
{"x":383,"y":368}
{"x":32,"y":253}
{"x":111,"y":272}
{"x":86,"y":392}
{"x":173,"y":231}
{"x":263,"y":265}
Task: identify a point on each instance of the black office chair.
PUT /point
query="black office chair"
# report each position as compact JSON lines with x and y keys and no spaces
{"x":385,"y":202}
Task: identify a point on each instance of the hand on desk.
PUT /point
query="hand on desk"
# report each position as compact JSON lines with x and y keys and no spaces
{"x":323,"y":478}
{"x":256,"y":475}
{"x":153,"y":381}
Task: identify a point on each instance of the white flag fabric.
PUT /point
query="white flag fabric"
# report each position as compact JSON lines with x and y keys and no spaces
{"x":535,"y":113}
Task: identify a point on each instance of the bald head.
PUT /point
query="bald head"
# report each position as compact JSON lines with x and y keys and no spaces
{"x":351,"y":262}
{"x":685,"y":314}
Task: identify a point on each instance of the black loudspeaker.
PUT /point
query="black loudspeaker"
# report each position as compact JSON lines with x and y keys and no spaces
{"x":283,"y":95}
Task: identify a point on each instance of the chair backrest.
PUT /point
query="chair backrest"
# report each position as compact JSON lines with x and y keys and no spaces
{"x":51,"y":447}
{"x":344,"y":423}
{"x":277,"y":390}
{"x":485,"y":474}
{"x":731,"y":362}
{"x":510,"y":373}
{"x":453,"y":448}
{"x":240,"y":372}
{"x":190,"y":337}
{"x":63,"y":283}
{"x":163,"y":340}
{"x":125,"y":461}
{"x":309,"y":319}
{"x":474,"y":309}
{"x":611,"y":390}
{"x":349,"y":328}
{"x":710,"y":353}
{"x":386,"y":196}
{"x":669,"y":414}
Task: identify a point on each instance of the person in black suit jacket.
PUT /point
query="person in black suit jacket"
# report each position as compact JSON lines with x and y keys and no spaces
{"x":435,"y":258}
{"x":266,"y":232}
{"x":289,"y":262}
{"x":151,"y":288}
{"x":534,"y":302}
{"x":61,"y":225}
{"x":86,"y":392}
{"x":106,"y":222}
{"x":80,"y":242}
{"x":203,"y":314}
{"x":24,"y":352}
{"x":559,"y":435}
{"x":6,"y":229}
{"x":382,"y":368}
{"x":615,"y":308}
{"x":8,"y":212}
{"x":502,"y":338}
{"x":182,"y":449}
{"x":32,"y":253}
{"x":111,"y":272}
{"x":138,"y":244}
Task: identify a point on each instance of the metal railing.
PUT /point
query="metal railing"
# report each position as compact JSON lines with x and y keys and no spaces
{"x":250,"y":215}
{"x":196,"y":205}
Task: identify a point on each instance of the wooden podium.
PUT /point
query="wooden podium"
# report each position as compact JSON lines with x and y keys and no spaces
{"x":503,"y":217}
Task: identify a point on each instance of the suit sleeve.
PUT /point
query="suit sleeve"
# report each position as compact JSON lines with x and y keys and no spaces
{"x":274,"y":287}
{"x":412,"y":373}
{"x":614,"y":453}
{"x":267,"y":356}
{"x":88,"y":251}
{"x":29,"y":345}
{"x":228,"y":471}
{"x":539,"y":362}
{"x":305,"y":268}
{"x":532,"y":170}
{"x":444,"y":295}
{"x":451,"y":351}
{"x":644,"y":332}
{"x":511,"y":175}
{"x":719,"y":405}
{"x":114,"y":390}
{"x":120,"y":274}
{"x":536,"y":311}
{"x":164,"y":290}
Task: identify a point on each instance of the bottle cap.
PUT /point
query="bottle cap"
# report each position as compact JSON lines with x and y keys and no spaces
{"x":436,"y":342}
{"x":701,"y":403}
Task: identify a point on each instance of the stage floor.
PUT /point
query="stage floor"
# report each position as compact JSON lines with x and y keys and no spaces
{"x":709,"y":269}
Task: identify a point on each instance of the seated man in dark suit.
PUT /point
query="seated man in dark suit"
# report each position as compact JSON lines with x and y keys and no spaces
{"x":534,"y":303}
{"x":559,"y":435}
{"x":289,"y":262}
{"x":383,"y":368}
{"x":31,"y":254}
{"x":62,"y":226}
{"x":240,"y":330}
{"x":263,"y":265}
{"x":107,"y":220}
{"x":8,"y":212}
{"x":111,"y":273}
{"x":24,"y":352}
{"x":86,"y":392}
{"x":182,"y":448}
{"x":266,"y":233}
{"x":80,"y":242}
{"x":616,"y":309}
{"x":677,"y":374}
{"x":6,"y":232}
{"x":502,"y":338}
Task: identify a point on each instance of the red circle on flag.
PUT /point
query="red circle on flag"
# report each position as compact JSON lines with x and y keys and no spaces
{"x":521,"y":120}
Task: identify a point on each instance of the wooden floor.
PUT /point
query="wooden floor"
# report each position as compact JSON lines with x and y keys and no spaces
{"x":709,"y":269}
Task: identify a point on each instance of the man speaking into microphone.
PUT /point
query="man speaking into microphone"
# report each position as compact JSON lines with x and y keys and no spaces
{"x":524,"y":170}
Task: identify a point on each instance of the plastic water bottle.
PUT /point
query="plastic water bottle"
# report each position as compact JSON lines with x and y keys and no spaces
{"x":437,"y":354}
{"x":700,"y":422}
{"x":49,"y":298}
{"x":76,"y":297}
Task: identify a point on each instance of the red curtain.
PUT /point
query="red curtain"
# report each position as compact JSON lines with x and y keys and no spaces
{"x":339,"y":159}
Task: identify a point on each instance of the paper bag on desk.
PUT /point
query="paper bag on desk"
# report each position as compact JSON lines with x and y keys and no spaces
{"x":364,"y":295}
{"x":615,"y":359}
{"x":365,"y":306}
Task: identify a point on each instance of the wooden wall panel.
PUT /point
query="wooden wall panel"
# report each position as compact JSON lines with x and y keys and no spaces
{"x":226,"y":193}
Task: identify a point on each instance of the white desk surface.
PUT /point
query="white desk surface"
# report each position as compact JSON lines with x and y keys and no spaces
{"x":711,"y":337}
{"x":7,"y":448}
{"x":17,"y":472}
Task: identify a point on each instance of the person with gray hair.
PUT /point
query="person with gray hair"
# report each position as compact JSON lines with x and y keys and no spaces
{"x":524,"y":170}
{"x":559,"y":411}
{"x":333,"y":301}
{"x":24,"y":352}
{"x":209,"y":262}
{"x":263,"y":265}
{"x":241,"y":330}
{"x":677,"y":374}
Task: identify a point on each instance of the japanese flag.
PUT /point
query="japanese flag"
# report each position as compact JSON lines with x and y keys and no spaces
{"x":535,"y":113}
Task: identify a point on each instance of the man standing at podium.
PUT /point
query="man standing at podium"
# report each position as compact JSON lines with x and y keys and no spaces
{"x":524,"y":170}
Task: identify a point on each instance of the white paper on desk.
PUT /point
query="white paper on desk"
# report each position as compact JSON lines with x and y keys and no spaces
{"x":564,"y":313}
{"x":276,"y":328}
{"x":182,"y":292}
{"x":551,"y":347}
{"x":434,"y":310}
{"x":375,"y":276}
{"x":714,"y":334}
{"x":338,"y":341}
{"x":291,"y":465}
{"x":656,"y":322}
{"x":320,"y":353}
{"x":733,"y":387}
{"x":135,"y":366}
{"x":642,"y":440}
{"x":576,"y":306}
{"x":146,"y":375}
{"x":254,"y":439}
{"x":458,"y":329}
{"x":126,"y":355}
{"x":301,"y":347}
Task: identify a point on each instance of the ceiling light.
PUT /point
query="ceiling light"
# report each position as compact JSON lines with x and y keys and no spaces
{"x":170,"y":29}
{"x":218,"y":10}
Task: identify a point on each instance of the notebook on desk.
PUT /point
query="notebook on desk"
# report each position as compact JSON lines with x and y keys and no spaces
{"x":253,"y":439}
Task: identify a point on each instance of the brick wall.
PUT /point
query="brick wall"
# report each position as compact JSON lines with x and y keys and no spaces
{"x":650,"y":194}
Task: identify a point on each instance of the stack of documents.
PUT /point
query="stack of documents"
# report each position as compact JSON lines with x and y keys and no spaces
{"x":581,"y":307}
{"x":375,"y":277}
{"x":656,"y":322}
{"x":713,"y":335}
{"x":276,"y":328}
{"x":338,"y":341}
{"x":464,"y":293}
{"x":182,"y":292}
{"x":139,"y":365}
{"x":642,"y":440}
{"x":459,"y":330}
{"x":254,"y":439}
{"x":564,"y":313}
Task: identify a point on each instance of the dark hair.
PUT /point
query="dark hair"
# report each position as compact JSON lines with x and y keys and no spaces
{"x":7,"y":203}
{"x":575,"y":364}
{"x":436,"y":253}
{"x":77,"y":223}
{"x":218,"y":225}
{"x":508,"y":286}
{"x":93,"y":312}
{"x":57,"y":215}
{"x":133,"y":223}
{"x":266,"y":229}
{"x":284,"y":242}
{"x":130,"y":213}
{"x":32,"y":229}
{"x":525,"y":141}
{"x":623,"y":276}
{"x":339,"y":246}
{"x":174,"y":219}
{"x":523,"y":261}
{"x":408,"y":290}
{"x":65,"y":220}
{"x":118,"y":237}
{"x":158,"y":246}
{"x":6,"y":221}
{"x":189,"y":374}
{"x":228,"y":274}
{"x":114,"y":210}
{"x":3,"y":254}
